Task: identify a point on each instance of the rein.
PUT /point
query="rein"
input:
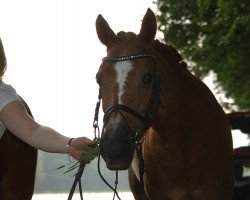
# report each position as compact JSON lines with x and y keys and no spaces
{"x":138,"y":139}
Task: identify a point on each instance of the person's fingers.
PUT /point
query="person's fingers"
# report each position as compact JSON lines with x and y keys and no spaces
{"x":83,"y":141}
{"x":89,"y":142}
{"x":78,"y":147}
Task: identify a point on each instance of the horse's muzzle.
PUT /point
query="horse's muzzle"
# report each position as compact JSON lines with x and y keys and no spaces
{"x":117,"y":154}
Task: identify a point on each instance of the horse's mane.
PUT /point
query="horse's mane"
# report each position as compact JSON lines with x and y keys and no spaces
{"x":170,"y":53}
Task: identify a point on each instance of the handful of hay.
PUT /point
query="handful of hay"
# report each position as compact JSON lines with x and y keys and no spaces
{"x":92,"y":153}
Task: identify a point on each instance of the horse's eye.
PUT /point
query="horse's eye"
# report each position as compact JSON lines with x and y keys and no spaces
{"x":148,"y":78}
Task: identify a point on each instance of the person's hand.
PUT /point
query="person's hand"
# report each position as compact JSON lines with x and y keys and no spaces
{"x":77,"y":146}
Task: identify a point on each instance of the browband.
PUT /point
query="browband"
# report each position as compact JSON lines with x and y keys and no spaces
{"x":128,"y":57}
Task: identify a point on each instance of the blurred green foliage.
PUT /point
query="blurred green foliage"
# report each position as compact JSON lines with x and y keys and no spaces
{"x":215,"y":36}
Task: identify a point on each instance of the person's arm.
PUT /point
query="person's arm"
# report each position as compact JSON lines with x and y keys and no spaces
{"x":15,"y":117}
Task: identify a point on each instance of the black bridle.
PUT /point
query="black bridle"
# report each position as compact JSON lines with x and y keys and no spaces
{"x":120,"y":109}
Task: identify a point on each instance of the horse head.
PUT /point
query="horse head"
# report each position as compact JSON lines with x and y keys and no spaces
{"x":128,"y":82}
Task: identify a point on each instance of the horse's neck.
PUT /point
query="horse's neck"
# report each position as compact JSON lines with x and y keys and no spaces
{"x":185,"y":103}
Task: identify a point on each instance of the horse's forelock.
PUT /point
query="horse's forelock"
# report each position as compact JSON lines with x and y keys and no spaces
{"x":121,"y":36}
{"x":126,"y":43}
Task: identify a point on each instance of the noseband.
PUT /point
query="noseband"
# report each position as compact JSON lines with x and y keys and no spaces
{"x":118,"y":108}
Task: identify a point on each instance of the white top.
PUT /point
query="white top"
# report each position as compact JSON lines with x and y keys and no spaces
{"x":7,"y":94}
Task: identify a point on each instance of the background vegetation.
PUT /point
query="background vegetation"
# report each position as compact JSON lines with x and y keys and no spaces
{"x":214,"y":35}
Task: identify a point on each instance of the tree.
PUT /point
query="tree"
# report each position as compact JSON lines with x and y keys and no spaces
{"x":215,"y":36}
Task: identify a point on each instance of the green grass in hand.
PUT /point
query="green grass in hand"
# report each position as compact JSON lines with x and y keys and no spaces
{"x":91,"y":154}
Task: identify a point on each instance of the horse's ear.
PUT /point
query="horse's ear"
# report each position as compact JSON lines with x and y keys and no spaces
{"x":105,"y":34}
{"x":149,"y":26}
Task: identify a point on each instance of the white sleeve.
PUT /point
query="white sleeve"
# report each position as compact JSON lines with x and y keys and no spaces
{"x":7,"y":94}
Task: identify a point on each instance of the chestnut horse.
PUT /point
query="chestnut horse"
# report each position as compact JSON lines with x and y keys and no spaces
{"x":150,"y":97}
{"x":17,"y":167}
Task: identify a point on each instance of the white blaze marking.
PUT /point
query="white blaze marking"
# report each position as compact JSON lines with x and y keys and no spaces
{"x":122,"y":69}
